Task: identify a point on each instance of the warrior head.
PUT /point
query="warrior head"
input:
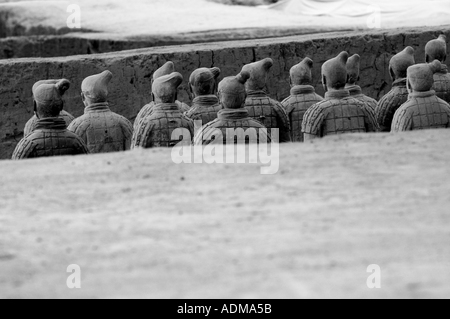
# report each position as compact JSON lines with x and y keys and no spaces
{"x":166,"y":69}
{"x":259,"y":72}
{"x":420,"y":76}
{"x":399,"y":63}
{"x":436,"y":49}
{"x":334,"y":72}
{"x":232,"y":93}
{"x":94,"y":89}
{"x":47,"y":97}
{"x":203,"y":81}
{"x":301,"y":74}
{"x":165,"y":88}
{"x":353,"y":65}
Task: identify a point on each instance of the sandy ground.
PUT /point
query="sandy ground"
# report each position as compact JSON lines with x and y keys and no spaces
{"x":140,"y":226}
{"x":141,"y":18}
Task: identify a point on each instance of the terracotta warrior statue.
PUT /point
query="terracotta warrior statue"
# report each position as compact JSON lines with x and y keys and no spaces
{"x":398,"y":95}
{"x":339,"y":113}
{"x":50,"y":136}
{"x":102,"y":130}
{"x":437,"y":50}
{"x":166,"y":69}
{"x":353,"y":67}
{"x":205,"y":105}
{"x":259,"y":105}
{"x":234,"y":115}
{"x":424,"y":109}
{"x":302,"y":97}
{"x":29,"y":127}
{"x":156,"y":129}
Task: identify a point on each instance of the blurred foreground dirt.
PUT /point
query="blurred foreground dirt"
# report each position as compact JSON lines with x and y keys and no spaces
{"x":140,"y":226}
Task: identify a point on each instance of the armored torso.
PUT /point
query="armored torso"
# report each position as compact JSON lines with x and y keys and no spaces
{"x":204,"y":108}
{"x":50,"y":138}
{"x":240,"y":122}
{"x":156,"y":130}
{"x":442,"y":84}
{"x":301,"y":99}
{"x":423,"y":110}
{"x":269,"y":112}
{"x":356,"y":92}
{"x":337,"y":114}
{"x":148,"y":108}
{"x":103,"y":131}
{"x":31,"y":124}
{"x":390,"y":103}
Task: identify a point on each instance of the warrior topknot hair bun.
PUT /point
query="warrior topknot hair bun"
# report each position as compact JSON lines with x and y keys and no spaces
{"x":62,"y":86}
{"x":216,"y":72}
{"x":267,"y":63}
{"x":435,"y":66}
{"x":243,"y":77}
{"x":343,"y":56}
{"x":308,"y":62}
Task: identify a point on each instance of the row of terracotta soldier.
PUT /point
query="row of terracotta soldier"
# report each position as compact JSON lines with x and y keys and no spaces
{"x":418,"y":100}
